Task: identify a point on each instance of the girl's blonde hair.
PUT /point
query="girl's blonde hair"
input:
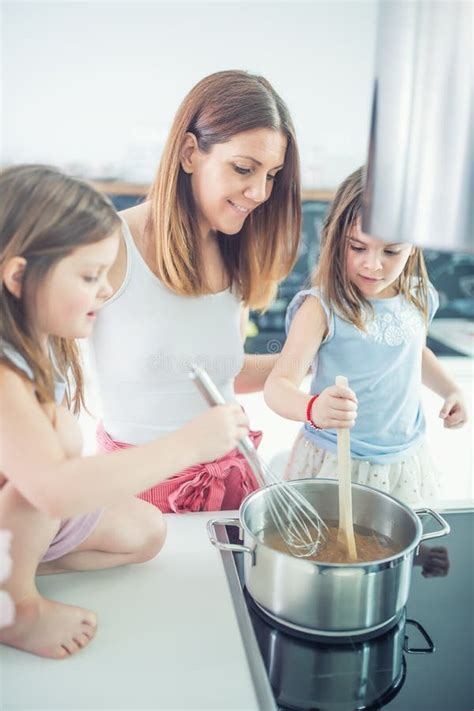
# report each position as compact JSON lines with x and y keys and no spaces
{"x":330,"y":274}
{"x":216,"y":109}
{"x":44,"y":216}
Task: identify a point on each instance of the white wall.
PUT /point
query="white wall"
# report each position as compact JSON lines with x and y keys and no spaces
{"x":93,"y":86}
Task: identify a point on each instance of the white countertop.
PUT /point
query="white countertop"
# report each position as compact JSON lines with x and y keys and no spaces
{"x":168,"y":637}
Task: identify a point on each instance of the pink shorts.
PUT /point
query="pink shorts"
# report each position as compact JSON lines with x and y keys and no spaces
{"x":72,"y":532}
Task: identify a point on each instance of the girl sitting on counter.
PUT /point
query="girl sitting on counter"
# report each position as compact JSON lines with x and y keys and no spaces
{"x":61,"y":511}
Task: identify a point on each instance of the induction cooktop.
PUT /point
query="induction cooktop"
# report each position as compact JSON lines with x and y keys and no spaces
{"x":425,"y":662}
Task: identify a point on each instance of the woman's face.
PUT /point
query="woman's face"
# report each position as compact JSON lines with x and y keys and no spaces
{"x":233,"y":178}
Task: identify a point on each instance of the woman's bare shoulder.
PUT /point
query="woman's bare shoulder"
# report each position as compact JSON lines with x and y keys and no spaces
{"x":136,"y":218}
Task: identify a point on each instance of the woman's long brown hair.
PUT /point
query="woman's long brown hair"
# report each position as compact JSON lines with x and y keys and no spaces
{"x":330,"y":274}
{"x":216,"y":109}
{"x":44,"y":216}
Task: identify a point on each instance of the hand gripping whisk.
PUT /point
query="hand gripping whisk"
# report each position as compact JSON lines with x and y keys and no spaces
{"x":295,"y":519}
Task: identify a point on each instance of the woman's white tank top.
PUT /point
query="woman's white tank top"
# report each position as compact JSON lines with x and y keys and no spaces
{"x":145,"y":338}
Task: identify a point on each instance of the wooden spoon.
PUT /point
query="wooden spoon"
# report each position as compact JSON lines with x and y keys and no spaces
{"x":345,"y":534}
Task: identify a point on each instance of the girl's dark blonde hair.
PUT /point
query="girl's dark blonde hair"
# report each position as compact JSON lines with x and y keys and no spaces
{"x":330,"y":274}
{"x":216,"y":109}
{"x":44,"y":216}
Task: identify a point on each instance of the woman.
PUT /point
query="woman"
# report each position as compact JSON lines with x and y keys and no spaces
{"x":220,"y":228}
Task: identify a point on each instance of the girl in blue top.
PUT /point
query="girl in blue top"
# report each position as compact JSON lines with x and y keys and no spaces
{"x":365,"y":317}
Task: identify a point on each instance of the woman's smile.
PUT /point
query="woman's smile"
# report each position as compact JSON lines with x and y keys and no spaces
{"x":240,"y":208}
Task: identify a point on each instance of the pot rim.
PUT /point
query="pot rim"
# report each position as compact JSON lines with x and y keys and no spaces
{"x":381,"y":562}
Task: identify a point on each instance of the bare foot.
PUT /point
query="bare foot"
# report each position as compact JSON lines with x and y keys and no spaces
{"x":49,"y":629}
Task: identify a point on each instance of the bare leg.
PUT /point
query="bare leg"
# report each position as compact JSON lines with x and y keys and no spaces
{"x":43,"y":627}
{"x":132,"y":531}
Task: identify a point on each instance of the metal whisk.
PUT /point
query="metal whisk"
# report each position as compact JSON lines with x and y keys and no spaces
{"x":296,"y":520}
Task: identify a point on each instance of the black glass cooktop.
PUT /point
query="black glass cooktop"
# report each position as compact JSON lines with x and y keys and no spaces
{"x":424,"y":663}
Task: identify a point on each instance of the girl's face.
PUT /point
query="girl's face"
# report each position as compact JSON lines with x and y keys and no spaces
{"x":68,"y":299}
{"x":374,"y":266}
{"x":233,"y":178}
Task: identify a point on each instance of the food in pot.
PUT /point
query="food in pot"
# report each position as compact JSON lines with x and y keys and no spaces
{"x":371,"y":546}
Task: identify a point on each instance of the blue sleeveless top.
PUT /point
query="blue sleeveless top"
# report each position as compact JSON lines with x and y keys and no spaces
{"x":17,"y":359}
{"x":383,"y":367}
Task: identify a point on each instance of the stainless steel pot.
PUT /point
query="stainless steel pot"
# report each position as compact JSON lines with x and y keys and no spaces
{"x":332,"y":599}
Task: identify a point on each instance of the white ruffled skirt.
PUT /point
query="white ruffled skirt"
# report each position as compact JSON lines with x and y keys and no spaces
{"x":413,"y":479}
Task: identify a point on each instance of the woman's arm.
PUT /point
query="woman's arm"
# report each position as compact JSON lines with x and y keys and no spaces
{"x":34,"y":462}
{"x":253,"y":376}
{"x":433,"y":375}
{"x":335,"y":406}
{"x":256,"y":368}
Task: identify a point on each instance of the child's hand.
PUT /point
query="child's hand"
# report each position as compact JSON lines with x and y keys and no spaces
{"x":335,"y":408}
{"x":454,"y":411}
{"x":217,"y":431}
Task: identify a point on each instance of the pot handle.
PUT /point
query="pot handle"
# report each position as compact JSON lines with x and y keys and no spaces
{"x":445,"y":527}
{"x":211,"y":532}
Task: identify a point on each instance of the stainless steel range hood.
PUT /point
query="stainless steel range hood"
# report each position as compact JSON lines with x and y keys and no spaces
{"x":421,"y":155}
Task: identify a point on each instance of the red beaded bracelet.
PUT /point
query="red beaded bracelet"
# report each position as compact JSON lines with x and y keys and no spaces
{"x":309,"y":407}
